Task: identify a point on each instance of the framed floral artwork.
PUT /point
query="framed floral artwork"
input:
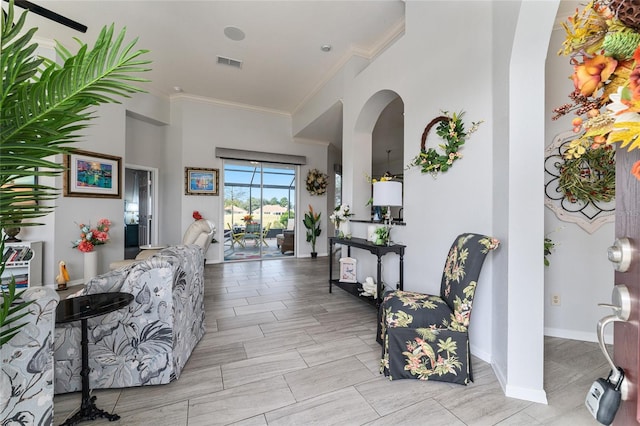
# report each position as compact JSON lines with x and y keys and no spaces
{"x":199,"y":181}
{"x":92,"y":175}
{"x":348,"y":270}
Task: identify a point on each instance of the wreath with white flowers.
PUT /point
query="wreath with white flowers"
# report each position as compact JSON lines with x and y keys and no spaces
{"x":317,"y":182}
{"x":451,"y":129}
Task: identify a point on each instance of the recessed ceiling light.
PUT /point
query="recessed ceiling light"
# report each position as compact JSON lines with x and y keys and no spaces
{"x":177,"y":89}
{"x":234,"y":33}
{"x":325,"y":48}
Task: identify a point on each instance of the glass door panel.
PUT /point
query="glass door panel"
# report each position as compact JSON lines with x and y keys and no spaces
{"x":259,"y":198}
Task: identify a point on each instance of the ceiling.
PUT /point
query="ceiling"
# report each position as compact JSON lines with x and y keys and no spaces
{"x":282,"y":60}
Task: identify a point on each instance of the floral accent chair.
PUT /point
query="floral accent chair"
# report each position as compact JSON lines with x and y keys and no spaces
{"x":425,"y":336}
{"x":26,"y":376}
{"x":149,"y":341}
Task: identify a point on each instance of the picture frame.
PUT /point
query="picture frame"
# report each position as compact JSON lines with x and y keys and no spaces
{"x":348,"y":270}
{"x":201,"y":181}
{"x":24,"y":185}
{"x":92,"y":175}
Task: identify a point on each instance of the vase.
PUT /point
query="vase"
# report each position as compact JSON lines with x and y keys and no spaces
{"x":90,"y":265}
{"x":345,"y":230}
{"x":11,"y":235}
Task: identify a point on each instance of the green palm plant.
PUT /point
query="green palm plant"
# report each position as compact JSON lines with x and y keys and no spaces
{"x":43,"y":107}
{"x":312,"y":223}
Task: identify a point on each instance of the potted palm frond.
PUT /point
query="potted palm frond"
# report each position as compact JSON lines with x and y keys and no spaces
{"x":42,"y":108}
{"x":312,"y":223}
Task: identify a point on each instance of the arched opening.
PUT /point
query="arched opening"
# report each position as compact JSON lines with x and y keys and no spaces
{"x":379,"y":142}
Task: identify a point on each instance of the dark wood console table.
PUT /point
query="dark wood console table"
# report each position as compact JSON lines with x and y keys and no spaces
{"x":379,"y":251}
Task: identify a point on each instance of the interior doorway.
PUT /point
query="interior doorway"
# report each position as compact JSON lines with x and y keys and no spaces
{"x":259,"y":208}
{"x":140,"y":205}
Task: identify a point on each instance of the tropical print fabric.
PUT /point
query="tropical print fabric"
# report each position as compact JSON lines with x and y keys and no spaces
{"x":149,"y":341}
{"x":26,"y":376}
{"x":425,"y":336}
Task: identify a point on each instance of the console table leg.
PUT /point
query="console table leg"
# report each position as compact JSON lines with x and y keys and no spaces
{"x":379,"y":284}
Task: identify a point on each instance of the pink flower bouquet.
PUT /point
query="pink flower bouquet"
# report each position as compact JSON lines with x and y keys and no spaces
{"x":91,"y":237}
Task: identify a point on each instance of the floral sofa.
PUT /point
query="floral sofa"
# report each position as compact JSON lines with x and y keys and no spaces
{"x":26,"y":375}
{"x":148,"y":342}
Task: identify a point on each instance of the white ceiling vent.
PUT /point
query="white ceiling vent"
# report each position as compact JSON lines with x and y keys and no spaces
{"x":228,"y":61}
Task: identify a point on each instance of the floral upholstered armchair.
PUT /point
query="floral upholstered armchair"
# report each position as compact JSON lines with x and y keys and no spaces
{"x":425,"y":336}
{"x":26,"y":372}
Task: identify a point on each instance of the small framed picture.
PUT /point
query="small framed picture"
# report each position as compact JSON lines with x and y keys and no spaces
{"x":348,"y":270}
{"x":92,"y":175}
{"x":200,"y":181}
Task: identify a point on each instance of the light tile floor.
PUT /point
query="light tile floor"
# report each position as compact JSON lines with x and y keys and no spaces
{"x":281,"y":350}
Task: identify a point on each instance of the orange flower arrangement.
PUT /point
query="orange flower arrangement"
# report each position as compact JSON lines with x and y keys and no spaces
{"x":91,"y":237}
{"x":603,"y":42}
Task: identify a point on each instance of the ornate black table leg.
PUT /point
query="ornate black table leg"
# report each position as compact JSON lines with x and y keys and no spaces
{"x":330,"y":263}
{"x":88,"y":409}
{"x":401,"y":284}
{"x":379,"y":284}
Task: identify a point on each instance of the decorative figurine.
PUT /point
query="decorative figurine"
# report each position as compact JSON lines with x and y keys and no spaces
{"x":63,"y":276}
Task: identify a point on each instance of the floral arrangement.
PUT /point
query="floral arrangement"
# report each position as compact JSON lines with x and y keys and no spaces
{"x":342,"y":213}
{"x":196,"y":215}
{"x":451,"y":129}
{"x":603,"y":43}
{"x":247,"y":218}
{"x":317,"y":182}
{"x":91,"y":237}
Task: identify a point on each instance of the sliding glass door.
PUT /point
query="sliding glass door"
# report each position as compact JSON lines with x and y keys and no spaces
{"x":259,"y":200}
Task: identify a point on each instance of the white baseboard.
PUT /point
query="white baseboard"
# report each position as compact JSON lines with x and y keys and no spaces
{"x":527,"y":394}
{"x":580,"y":335}
{"x":485,"y":356}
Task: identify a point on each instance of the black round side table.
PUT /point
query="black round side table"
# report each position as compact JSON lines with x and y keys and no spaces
{"x":82,"y":308}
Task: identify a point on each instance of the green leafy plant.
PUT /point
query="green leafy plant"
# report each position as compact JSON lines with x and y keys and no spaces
{"x":382,"y":235}
{"x":312,"y":223}
{"x":549,"y":245}
{"x":43,"y":107}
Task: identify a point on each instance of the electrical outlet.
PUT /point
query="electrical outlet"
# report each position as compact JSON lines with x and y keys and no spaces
{"x":555,"y":299}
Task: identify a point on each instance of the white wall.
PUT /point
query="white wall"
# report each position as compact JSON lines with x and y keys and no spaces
{"x":435,"y":210}
{"x":203,"y":125}
{"x":457,"y":75}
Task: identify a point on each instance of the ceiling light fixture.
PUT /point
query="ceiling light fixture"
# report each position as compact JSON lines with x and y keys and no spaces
{"x":234,"y":33}
{"x":325,"y":48}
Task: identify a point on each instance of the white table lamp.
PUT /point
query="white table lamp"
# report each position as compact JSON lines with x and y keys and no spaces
{"x":387,"y":193}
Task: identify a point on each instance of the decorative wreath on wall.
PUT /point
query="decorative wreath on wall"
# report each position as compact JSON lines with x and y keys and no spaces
{"x":317,"y":182}
{"x":588,"y":174}
{"x":580,"y":181}
{"x":451,"y":129}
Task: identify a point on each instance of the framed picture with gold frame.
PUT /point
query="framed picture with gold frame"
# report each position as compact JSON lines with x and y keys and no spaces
{"x":199,"y":181}
{"x":92,"y":175}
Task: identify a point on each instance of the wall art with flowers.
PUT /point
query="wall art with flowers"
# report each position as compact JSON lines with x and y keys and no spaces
{"x":92,"y":236}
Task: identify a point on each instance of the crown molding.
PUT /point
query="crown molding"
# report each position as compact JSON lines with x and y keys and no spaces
{"x":227,"y":104}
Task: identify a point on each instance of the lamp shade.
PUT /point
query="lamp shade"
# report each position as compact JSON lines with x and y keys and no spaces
{"x":387,"y":193}
{"x":132,"y":207}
